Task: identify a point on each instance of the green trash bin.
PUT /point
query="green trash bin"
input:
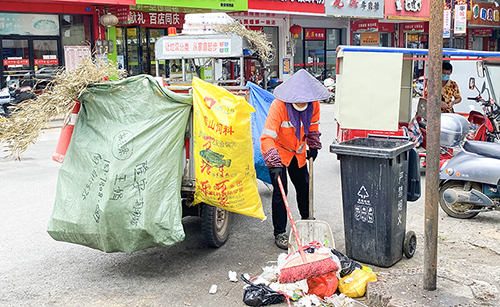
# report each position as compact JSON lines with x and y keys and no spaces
{"x":374,"y":175}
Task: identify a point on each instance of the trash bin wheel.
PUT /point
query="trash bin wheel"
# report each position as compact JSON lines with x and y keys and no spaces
{"x":410,"y":244}
{"x":215,"y":225}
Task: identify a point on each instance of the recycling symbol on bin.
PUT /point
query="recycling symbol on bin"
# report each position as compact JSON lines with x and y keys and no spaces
{"x":363,"y":193}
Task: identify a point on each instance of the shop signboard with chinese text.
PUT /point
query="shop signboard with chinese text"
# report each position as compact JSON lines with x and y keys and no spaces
{"x":446,"y":23}
{"x":156,"y":19}
{"x":229,"y":5}
{"x":297,"y":6}
{"x":407,"y":9}
{"x":199,"y":46}
{"x":355,"y":8}
{"x":74,"y":55}
{"x":460,"y":23}
{"x":370,"y":39}
{"x":484,"y":32}
{"x":29,"y":24}
{"x":315,"y":34}
{"x":372,"y":25}
{"x":121,"y":2}
{"x":485,"y":14}
{"x":121,"y":12}
{"x":251,"y":19}
{"x":416,"y":27}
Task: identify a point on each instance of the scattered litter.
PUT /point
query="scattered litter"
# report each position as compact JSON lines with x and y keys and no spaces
{"x":354,"y":284}
{"x":260,"y":295}
{"x":213,"y":289}
{"x":334,"y":289}
{"x":247,"y":276}
{"x":232,"y":276}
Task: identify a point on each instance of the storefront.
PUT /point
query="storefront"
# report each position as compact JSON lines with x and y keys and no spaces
{"x":36,"y":39}
{"x":416,"y":34}
{"x":412,"y":17}
{"x":144,"y":23}
{"x":365,"y":28}
{"x":372,"y":32}
{"x":306,"y":38}
{"x":484,"y":27}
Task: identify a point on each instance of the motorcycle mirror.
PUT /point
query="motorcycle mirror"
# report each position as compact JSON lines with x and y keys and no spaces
{"x":472,"y":83}
{"x":483,"y":87}
{"x":480,"y":69}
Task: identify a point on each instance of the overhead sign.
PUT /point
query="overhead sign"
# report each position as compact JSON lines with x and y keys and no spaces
{"x":485,"y":14}
{"x":485,"y":32}
{"x":416,"y":27}
{"x":230,"y":5}
{"x":407,"y":9}
{"x":315,"y":34}
{"x":156,"y":19}
{"x":355,"y":8}
{"x":460,"y":24}
{"x":296,"y":6}
{"x":372,"y":25}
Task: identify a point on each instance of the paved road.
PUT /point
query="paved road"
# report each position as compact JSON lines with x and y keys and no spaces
{"x":35,"y":270}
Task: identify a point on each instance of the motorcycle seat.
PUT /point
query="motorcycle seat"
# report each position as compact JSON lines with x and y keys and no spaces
{"x":486,"y":149}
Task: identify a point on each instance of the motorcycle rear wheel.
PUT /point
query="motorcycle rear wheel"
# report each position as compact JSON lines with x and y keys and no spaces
{"x":457,"y":210}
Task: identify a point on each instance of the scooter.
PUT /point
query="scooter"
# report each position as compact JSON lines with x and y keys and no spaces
{"x":329,"y":83}
{"x":470,"y":181}
{"x":484,"y":127}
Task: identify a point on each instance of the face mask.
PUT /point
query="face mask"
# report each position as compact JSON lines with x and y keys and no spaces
{"x":445,"y":77}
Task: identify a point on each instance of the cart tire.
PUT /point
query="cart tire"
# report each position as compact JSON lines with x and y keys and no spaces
{"x":215,"y":225}
{"x":410,"y":244}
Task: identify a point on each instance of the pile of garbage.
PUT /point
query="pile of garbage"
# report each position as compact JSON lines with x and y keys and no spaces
{"x":335,"y":289}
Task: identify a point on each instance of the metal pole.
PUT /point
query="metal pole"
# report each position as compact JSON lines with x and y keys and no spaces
{"x":242,"y":73}
{"x":452,"y":22}
{"x":183,"y":61}
{"x":157,"y":68}
{"x":432,"y":155}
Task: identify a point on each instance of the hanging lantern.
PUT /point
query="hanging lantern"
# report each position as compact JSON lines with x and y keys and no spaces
{"x":295,"y":30}
{"x":108,"y":20}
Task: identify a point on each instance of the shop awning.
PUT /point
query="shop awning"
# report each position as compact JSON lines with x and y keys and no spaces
{"x":446,"y":51}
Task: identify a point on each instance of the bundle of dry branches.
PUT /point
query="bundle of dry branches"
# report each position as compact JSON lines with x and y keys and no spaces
{"x":257,"y":38}
{"x":24,"y":125}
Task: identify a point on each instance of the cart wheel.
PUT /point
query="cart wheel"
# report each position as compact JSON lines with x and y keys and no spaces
{"x":410,"y":244}
{"x":215,"y":225}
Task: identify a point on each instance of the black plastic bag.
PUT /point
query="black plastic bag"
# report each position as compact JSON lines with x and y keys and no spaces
{"x":260,"y":295}
{"x":348,"y":265}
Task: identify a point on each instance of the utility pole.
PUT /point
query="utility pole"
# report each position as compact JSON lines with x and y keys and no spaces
{"x":433,"y":137}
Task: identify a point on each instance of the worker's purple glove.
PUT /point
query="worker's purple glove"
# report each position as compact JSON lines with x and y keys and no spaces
{"x":275,"y":172}
{"x":312,"y":153}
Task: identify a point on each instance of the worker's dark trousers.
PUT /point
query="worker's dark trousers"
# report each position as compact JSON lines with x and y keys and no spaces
{"x":300,"y":180}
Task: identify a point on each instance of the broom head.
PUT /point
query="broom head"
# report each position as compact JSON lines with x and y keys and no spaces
{"x":314,"y":265}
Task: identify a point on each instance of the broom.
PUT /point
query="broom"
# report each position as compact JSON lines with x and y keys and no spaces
{"x":307,"y":265}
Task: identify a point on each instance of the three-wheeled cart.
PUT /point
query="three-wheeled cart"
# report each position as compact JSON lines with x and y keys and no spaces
{"x":201,"y":56}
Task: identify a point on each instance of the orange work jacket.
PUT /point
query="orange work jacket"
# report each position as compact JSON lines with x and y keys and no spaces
{"x":279,"y":133}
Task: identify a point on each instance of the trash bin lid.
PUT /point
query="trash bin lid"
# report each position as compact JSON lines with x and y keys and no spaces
{"x":372,"y":147}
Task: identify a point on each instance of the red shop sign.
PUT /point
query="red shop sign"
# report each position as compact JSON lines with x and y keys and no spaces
{"x":398,"y":9}
{"x":157,"y":19}
{"x":369,"y":25}
{"x":308,"y":6}
{"x":482,"y":31}
{"x":315,"y":34}
{"x":386,"y":27}
{"x":46,"y":62}
{"x":7,"y":62}
{"x":416,"y":27}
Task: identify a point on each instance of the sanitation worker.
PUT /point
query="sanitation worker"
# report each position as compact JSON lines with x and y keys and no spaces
{"x":290,"y":136}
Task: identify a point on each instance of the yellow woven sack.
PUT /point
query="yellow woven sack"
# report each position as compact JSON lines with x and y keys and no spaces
{"x":223,"y":152}
{"x":354,"y":284}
